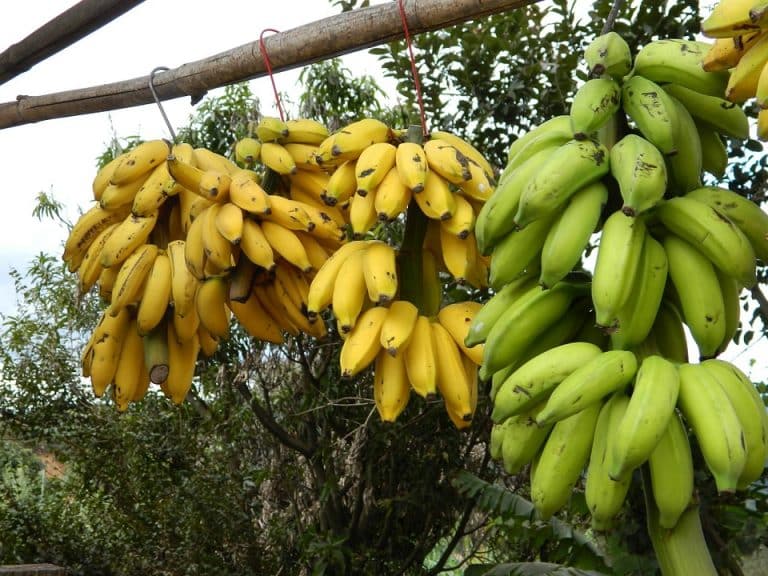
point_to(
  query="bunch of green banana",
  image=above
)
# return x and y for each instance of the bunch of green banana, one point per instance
(588, 363)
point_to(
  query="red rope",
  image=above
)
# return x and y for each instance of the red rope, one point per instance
(269, 69)
(414, 72)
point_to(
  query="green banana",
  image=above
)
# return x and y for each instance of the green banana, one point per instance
(496, 218)
(604, 494)
(711, 232)
(649, 409)
(685, 167)
(725, 117)
(556, 123)
(512, 255)
(639, 169)
(668, 332)
(701, 300)
(486, 317)
(560, 333)
(671, 470)
(594, 103)
(533, 381)
(546, 140)
(618, 258)
(608, 54)
(522, 440)
(604, 374)
(731, 291)
(752, 416)
(561, 461)
(708, 410)
(680, 61)
(652, 111)
(743, 212)
(714, 154)
(569, 234)
(634, 320)
(569, 168)
(523, 322)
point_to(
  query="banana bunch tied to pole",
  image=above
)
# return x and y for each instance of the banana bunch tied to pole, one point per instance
(184, 241)
(588, 358)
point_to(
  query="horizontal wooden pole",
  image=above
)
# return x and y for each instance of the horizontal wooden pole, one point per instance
(327, 38)
(58, 33)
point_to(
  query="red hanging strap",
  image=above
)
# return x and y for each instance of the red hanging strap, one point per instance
(269, 69)
(414, 72)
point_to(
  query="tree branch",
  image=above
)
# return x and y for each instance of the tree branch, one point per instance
(457, 535)
(762, 302)
(271, 424)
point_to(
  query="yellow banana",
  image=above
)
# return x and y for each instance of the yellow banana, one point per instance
(456, 319)
(271, 128)
(372, 165)
(131, 373)
(448, 161)
(87, 228)
(155, 190)
(362, 345)
(211, 303)
(392, 197)
(218, 249)
(182, 360)
(436, 200)
(362, 214)
(229, 222)
(103, 175)
(90, 268)
(321, 289)
(115, 196)
(349, 141)
(288, 213)
(467, 149)
(421, 360)
(129, 283)
(305, 131)
(398, 326)
(255, 246)
(156, 295)
(341, 184)
(131, 233)
(349, 292)
(194, 247)
(285, 243)
(256, 320)
(452, 380)
(277, 158)
(247, 193)
(380, 270)
(411, 166)
(107, 338)
(462, 221)
(391, 390)
(315, 252)
(140, 160)
(247, 151)
(183, 283)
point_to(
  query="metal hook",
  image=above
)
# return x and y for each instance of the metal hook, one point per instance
(157, 100)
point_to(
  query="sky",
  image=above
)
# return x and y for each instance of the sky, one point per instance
(58, 156)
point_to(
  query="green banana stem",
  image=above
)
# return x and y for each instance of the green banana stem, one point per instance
(409, 257)
(683, 550)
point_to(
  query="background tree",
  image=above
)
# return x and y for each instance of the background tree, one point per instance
(275, 462)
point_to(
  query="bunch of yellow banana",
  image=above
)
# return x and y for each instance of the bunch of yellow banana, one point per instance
(372, 174)
(741, 47)
(411, 351)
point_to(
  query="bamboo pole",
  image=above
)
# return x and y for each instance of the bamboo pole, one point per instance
(313, 42)
(58, 33)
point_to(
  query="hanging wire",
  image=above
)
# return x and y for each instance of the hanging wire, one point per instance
(268, 64)
(414, 72)
(157, 99)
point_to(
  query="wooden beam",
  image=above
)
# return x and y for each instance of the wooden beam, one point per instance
(62, 31)
(320, 40)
